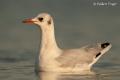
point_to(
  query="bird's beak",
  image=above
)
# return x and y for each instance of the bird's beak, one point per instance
(30, 21)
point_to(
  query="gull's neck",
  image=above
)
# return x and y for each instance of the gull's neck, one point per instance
(48, 42)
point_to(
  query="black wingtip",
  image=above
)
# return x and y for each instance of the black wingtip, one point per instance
(104, 45)
(98, 54)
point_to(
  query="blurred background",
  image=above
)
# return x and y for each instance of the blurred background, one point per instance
(77, 23)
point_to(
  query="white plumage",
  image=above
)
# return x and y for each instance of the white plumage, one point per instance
(52, 58)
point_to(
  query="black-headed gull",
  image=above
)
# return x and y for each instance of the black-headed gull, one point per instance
(52, 58)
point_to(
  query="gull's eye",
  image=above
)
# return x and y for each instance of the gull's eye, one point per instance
(40, 19)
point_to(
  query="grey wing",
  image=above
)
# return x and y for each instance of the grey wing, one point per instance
(85, 55)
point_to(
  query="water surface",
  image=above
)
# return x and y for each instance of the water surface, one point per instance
(77, 23)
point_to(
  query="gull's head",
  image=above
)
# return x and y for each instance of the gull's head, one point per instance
(42, 19)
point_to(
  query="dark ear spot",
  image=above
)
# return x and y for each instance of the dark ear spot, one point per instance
(49, 22)
(98, 54)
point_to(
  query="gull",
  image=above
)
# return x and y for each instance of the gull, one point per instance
(54, 59)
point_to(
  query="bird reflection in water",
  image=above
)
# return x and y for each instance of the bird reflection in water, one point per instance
(87, 75)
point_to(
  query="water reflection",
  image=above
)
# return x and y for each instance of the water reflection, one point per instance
(67, 76)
